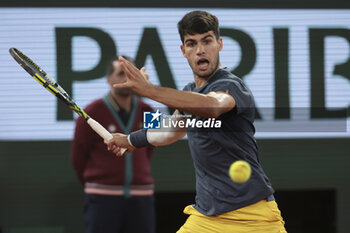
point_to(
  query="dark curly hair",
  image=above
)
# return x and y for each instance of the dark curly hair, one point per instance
(198, 22)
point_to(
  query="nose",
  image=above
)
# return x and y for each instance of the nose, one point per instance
(123, 78)
(200, 49)
(120, 78)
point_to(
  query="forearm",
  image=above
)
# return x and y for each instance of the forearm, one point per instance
(157, 138)
(161, 137)
(204, 105)
(146, 137)
(190, 102)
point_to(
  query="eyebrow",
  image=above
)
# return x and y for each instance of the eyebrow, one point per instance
(203, 38)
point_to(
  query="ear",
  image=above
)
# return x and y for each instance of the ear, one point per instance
(183, 50)
(220, 44)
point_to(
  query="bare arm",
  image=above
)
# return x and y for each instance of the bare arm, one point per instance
(155, 137)
(209, 105)
(171, 135)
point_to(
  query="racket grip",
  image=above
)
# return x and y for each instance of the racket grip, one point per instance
(100, 130)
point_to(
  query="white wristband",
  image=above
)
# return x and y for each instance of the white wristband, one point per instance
(130, 141)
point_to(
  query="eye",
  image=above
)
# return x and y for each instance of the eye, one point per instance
(207, 41)
(190, 44)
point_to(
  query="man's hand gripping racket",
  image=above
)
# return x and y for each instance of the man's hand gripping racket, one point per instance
(48, 83)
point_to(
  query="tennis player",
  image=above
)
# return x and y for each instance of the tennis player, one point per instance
(221, 205)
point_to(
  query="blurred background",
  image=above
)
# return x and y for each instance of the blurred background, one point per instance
(293, 55)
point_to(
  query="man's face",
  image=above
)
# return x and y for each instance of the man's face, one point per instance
(202, 53)
(118, 76)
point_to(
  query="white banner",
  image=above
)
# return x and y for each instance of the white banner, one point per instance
(28, 112)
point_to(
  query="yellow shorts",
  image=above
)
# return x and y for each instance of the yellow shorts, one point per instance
(263, 216)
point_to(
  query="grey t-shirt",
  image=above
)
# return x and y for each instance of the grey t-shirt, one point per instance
(214, 150)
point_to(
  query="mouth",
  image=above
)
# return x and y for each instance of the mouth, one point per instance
(203, 64)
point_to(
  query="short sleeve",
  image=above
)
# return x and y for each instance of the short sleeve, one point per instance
(238, 90)
(188, 87)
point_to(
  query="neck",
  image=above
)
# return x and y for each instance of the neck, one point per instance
(123, 101)
(201, 81)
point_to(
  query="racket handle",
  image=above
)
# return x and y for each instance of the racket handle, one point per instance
(100, 130)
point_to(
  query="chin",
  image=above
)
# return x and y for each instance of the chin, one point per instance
(123, 93)
(205, 74)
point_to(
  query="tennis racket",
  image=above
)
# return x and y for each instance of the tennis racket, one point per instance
(52, 86)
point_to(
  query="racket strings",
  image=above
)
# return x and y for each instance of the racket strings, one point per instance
(30, 62)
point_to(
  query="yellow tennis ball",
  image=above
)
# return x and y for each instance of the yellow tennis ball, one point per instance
(240, 171)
